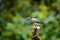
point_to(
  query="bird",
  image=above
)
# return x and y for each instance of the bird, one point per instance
(35, 20)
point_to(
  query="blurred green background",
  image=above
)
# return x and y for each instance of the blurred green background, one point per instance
(13, 23)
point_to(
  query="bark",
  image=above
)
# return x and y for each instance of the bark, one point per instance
(34, 35)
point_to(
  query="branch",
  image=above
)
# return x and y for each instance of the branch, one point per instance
(34, 35)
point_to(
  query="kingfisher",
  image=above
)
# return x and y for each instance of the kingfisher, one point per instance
(36, 22)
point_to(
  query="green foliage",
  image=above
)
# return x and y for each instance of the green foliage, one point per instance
(15, 26)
